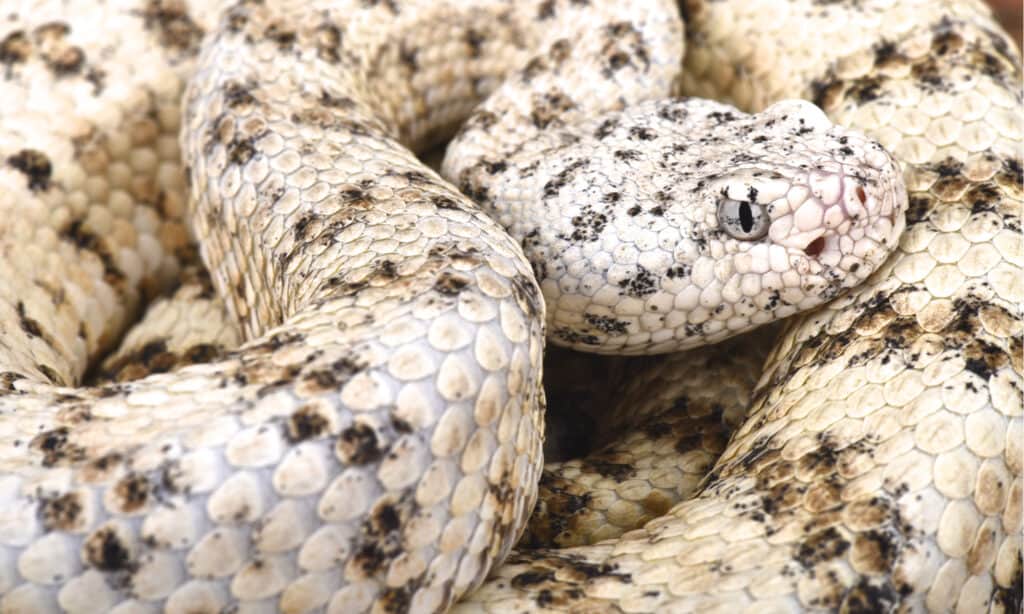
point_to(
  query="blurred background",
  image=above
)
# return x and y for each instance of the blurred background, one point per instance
(1010, 14)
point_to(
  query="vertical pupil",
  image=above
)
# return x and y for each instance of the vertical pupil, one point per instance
(746, 217)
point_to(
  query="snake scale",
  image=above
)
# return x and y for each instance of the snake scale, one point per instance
(373, 445)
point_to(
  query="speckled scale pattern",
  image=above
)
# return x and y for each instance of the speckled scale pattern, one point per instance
(659, 422)
(880, 466)
(384, 468)
(870, 474)
(190, 325)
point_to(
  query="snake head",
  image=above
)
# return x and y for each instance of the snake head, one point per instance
(802, 226)
(678, 223)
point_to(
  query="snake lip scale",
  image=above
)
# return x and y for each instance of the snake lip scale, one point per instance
(256, 356)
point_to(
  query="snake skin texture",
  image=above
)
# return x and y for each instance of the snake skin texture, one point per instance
(879, 468)
(373, 445)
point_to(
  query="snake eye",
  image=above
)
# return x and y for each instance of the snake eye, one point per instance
(742, 219)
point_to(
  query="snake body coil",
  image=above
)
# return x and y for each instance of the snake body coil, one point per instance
(375, 444)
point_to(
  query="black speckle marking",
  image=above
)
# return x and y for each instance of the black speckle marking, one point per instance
(678, 271)
(556, 183)
(606, 324)
(574, 337)
(642, 133)
(606, 127)
(642, 283)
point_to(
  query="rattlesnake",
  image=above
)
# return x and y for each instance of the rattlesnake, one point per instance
(878, 468)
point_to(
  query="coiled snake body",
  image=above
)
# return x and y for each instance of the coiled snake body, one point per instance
(374, 445)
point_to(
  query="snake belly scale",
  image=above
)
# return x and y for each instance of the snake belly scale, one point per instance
(376, 442)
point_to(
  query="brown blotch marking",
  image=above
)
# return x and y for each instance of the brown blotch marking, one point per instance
(359, 444)
(61, 513)
(616, 471)
(867, 514)
(329, 378)
(888, 56)
(327, 37)
(984, 359)
(533, 68)
(1011, 598)
(1011, 176)
(35, 166)
(571, 571)
(30, 326)
(132, 492)
(305, 423)
(62, 58)
(279, 34)
(546, 10)
(871, 595)
(105, 551)
(531, 578)
(451, 284)
(87, 241)
(241, 151)
(336, 102)
(820, 547)
(396, 599)
(73, 414)
(56, 447)
(239, 95)
(380, 534)
(560, 50)
(527, 295)
(174, 28)
(474, 41)
(200, 353)
(823, 495)
(549, 107)
(875, 551)
(7, 380)
(15, 48)
(384, 518)
(560, 506)
(154, 357)
(390, 5)
(99, 470)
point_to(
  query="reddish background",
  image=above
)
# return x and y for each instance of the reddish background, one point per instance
(1011, 14)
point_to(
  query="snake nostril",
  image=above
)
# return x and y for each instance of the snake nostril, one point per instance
(815, 247)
